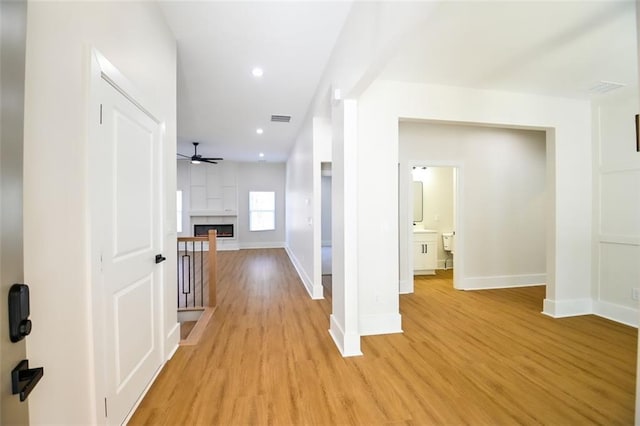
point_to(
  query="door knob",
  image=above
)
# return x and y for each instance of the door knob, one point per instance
(160, 258)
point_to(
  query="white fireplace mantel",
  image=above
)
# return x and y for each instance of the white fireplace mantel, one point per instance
(210, 213)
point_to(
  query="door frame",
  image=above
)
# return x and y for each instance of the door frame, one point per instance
(101, 69)
(458, 211)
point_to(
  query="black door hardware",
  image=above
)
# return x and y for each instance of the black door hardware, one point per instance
(24, 379)
(19, 322)
(160, 258)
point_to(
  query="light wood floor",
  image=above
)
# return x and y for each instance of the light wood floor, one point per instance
(480, 358)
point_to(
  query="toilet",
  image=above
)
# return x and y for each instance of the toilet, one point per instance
(448, 245)
(447, 241)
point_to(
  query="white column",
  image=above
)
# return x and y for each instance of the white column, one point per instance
(344, 210)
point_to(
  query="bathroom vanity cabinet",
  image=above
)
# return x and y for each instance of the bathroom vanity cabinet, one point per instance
(424, 252)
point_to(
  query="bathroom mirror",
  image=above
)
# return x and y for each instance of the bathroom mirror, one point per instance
(417, 201)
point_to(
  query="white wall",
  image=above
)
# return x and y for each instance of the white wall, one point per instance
(569, 186)
(135, 38)
(301, 241)
(503, 194)
(261, 177)
(617, 207)
(183, 183)
(214, 190)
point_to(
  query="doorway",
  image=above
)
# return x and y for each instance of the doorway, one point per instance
(433, 218)
(325, 215)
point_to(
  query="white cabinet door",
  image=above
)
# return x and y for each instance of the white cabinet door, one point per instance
(420, 255)
(424, 253)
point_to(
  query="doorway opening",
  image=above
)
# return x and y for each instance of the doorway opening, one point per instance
(326, 248)
(433, 219)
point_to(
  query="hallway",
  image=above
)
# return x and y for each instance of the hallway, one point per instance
(484, 357)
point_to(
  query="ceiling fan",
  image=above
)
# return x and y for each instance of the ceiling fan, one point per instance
(197, 159)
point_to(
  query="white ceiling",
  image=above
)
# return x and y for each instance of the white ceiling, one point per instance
(220, 103)
(558, 48)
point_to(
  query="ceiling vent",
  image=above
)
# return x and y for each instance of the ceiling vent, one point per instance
(605, 86)
(281, 118)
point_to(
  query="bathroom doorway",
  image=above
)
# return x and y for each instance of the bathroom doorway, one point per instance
(434, 218)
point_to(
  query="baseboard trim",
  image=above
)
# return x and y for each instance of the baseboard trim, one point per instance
(315, 291)
(406, 286)
(372, 325)
(348, 345)
(567, 308)
(617, 313)
(502, 281)
(172, 341)
(261, 245)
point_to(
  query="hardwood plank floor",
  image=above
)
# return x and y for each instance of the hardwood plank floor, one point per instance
(483, 357)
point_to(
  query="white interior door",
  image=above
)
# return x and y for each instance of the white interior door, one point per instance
(129, 216)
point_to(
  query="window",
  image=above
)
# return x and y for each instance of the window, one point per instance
(179, 207)
(262, 211)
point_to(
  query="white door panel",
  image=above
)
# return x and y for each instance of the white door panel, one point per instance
(133, 345)
(133, 185)
(129, 228)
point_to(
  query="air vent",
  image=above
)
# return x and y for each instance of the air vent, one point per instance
(281, 118)
(605, 86)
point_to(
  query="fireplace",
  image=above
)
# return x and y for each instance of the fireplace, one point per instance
(224, 230)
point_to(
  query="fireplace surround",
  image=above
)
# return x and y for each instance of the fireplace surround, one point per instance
(224, 230)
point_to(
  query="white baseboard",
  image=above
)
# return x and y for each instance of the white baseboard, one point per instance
(172, 341)
(371, 325)
(617, 313)
(567, 308)
(315, 291)
(348, 345)
(406, 286)
(502, 281)
(576, 307)
(261, 245)
(194, 315)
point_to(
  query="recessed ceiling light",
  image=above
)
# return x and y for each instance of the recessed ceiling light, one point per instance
(261, 154)
(259, 131)
(257, 72)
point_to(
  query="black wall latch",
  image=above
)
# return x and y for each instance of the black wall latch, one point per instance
(160, 258)
(24, 379)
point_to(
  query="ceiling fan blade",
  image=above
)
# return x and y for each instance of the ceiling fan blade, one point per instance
(212, 158)
(182, 155)
(206, 160)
